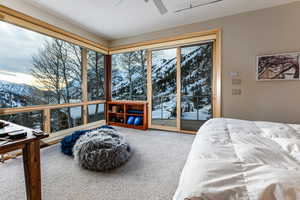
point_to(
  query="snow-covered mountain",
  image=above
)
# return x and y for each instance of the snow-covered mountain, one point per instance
(16, 95)
(129, 76)
(196, 66)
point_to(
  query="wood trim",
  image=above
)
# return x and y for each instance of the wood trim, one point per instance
(56, 137)
(189, 38)
(96, 102)
(26, 21)
(46, 121)
(149, 86)
(188, 132)
(178, 87)
(121, 102)
(84, 84)
(217, 77)
(166, 128)
(84, 66)
(7, 111)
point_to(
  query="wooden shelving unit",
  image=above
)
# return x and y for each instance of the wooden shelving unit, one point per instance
(118, 113)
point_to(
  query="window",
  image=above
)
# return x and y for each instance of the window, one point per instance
(29, 119)
(36, 69)
(129, 76)
(95, 76)
(164, 109)
(65, 118)
(96, 112)
(196, 85)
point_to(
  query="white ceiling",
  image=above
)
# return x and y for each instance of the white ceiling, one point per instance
(113, 20)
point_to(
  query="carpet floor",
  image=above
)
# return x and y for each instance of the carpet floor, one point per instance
(152, 173)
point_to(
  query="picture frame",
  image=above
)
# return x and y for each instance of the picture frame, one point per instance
(280, 66)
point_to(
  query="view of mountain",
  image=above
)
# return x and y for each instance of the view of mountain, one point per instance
(61, 82)
(129, 81)
(17, 95)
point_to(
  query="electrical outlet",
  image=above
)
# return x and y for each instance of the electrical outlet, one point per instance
(236, 91)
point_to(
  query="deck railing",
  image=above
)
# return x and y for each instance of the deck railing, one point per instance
(164, 104)
(46, 112)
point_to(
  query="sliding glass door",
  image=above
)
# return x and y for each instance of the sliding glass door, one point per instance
(181, 87)
(196, 85)
(163, 79)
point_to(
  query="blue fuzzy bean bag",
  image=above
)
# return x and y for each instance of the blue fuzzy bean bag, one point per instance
(69, 141)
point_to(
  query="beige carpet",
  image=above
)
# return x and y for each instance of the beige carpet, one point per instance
(151, 174)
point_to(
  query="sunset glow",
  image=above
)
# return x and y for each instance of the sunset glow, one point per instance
(18, 78)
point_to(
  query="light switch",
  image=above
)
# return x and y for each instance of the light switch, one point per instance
(234, 74)
(236, 91)
(236, 81)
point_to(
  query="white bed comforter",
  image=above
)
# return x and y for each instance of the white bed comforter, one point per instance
(242, 160)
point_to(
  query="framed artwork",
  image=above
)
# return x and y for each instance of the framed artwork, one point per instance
(278, 67)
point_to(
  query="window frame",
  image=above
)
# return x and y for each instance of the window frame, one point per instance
(10, 16)
(146, 63)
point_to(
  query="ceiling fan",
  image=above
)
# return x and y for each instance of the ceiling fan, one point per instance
(158, 3)
(163, 10)
(160, 6)
(191, 5)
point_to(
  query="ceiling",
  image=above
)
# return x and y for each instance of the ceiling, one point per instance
(113, 20)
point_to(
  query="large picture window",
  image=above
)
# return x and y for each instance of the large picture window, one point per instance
(36, 69)
(129, 76)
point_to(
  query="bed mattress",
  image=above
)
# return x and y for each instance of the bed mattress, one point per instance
(242, 160)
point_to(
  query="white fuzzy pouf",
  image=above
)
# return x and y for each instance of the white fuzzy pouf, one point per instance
(101, 150)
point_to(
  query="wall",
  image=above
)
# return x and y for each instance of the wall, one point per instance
(22, 6)
(244, 37)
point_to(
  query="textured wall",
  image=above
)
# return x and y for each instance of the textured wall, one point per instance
(244, 37)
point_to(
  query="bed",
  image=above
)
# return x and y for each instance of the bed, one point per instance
(242, 160)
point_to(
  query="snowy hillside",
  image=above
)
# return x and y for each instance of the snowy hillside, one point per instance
(196, 66)
(16, 95)
(129, 76)
(129, 81)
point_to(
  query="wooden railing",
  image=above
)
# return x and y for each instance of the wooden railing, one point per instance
(46, 109)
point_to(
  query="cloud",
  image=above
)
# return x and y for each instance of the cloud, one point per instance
(17, 46)
(8, 73)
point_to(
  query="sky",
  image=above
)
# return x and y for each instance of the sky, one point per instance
(17, 46)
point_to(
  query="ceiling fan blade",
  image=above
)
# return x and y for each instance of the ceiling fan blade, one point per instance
(160, 6)
(119, 3)
(199, 5)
